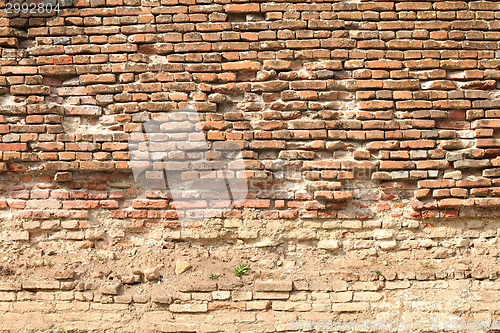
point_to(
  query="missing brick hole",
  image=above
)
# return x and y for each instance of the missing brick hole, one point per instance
(255, 17)
(20, 37)
(25, 43)
(82, 125)
(250, 17)
(12, 103)
(19, 25)
(496, 134)
(232, 17)
(228, 106)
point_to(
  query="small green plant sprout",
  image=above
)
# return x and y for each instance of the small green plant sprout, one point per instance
(378, 272)
(63, 330)
(241, 269)
(42, 263)
(213, 276)
(427, 264)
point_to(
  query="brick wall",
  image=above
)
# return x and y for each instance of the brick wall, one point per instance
(368, 129)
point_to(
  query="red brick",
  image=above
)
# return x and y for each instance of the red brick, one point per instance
(382, 145)
(256, 203)
(343, 195)
(451, 203)
(436, 183)
(412, 105)
(393, 165)
(436, 164)
(97, 166)
(473, 183)
(153, 204)
(80, 204)
(420, 144)
(487, 202)
(480, 143)
(271, 144)
(242, 66)
(404, 6)
(242, 8)
(13, 146)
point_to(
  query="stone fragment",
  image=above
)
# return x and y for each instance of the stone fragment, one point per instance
(181, 266)
(152, 273)
(162, 299)
(110, 288)
(130, 279)
(65, 274)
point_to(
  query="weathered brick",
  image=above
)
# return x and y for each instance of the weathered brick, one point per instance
(188, 308)
(10, 286)
(242, 8)
(350, 307)
(273, 285)
(41, 285)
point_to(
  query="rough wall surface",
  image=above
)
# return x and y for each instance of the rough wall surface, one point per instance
(370, 133)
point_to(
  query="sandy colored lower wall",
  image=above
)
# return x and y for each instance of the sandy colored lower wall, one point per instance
(193, 287)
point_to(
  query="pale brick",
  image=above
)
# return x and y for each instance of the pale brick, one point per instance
(369, 286)
(341, 297)
(110, 288)
(258, 305)
(350, 307)
(7, 296)
(241, 295)
(201, 296)
(273, 285)
(41, 285)
(221, 295)
(141, 298)
(338, 285)
(291, 306)
(367, 296)
(123, 299)
(190, 308)
(10, 286)
(397, 284)
(271, 295)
